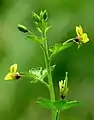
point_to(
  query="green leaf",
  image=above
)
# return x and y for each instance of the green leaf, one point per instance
(71, 104)
(36, 39)
(46, 103)
(57, 105)
(52, 67)
(60, 46)
(44, 72)
(39, 73)
(63, 105)
(35, 73)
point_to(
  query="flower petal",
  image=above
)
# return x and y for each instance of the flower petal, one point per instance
(8, 77)
(61, 85)
(13, 68)
(85, 38)
(79, 30)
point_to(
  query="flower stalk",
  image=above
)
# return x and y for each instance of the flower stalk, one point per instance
(47, 63)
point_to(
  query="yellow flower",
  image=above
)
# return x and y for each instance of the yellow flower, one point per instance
(81, 36)
(13, 74)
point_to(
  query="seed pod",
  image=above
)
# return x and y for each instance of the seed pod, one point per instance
(22, 28)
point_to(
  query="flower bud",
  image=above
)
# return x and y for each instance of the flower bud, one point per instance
(41, 15)
(45, 15)
(36, 17)
(63, 87)
(22, 28)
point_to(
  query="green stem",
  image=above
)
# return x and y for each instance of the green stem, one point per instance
(57, 115)
(44, 83)
(69, 40)
(47, 62)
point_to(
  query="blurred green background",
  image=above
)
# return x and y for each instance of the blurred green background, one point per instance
(18, 98)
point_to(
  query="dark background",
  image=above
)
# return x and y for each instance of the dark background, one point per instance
(18, 98)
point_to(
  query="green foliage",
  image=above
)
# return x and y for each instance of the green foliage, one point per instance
(46, 103)
(71, 104)
(57, 105)
(35, 38)
(38, 74)
(60, 46)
